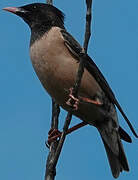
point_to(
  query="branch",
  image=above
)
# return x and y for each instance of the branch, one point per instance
(51, 172)
(56, 147)
(50, 2)
(88, 24)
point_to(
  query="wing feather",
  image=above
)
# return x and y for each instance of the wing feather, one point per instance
(75, 48)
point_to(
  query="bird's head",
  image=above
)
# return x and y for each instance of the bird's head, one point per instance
(39, 14)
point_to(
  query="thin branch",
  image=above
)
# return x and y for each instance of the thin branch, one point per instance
(56, 147)
(88, 24)
(51, 172)
(50, 2)
(55, 158)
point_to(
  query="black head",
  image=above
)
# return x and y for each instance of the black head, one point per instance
(39, 16)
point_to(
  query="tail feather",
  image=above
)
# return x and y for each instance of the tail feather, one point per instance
(115, 166)
(122, 157)
(124, 135)
(117, 163)
(114, 149)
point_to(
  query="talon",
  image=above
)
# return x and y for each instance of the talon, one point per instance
(53, 135)
(53, 132)
(69, 102)
(52, 139)
(76, 105)
(76, 100)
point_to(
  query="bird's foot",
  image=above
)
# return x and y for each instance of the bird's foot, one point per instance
(53, 135)
(72, 101)
(53, 132)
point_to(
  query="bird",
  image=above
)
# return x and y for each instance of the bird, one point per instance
(55, 56)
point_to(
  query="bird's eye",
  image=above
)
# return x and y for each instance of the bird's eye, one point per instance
(34, 7)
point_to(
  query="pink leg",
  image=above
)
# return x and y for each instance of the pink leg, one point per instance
(77, 101)
(90, 101)
(54, 134)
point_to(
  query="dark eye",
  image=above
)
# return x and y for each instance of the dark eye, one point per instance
(34, 7)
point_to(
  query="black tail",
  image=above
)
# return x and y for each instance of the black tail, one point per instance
(117, 163)
(114, 148)
(124, 135)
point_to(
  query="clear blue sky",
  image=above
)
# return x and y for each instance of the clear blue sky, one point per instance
(25, 107)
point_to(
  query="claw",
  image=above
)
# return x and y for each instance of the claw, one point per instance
(76, 100)
(53, 135)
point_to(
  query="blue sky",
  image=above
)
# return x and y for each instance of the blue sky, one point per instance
(25, 107)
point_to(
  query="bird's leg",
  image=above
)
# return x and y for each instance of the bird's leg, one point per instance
(71, 97)
(77, 100)
(96, 102)
(54, 133)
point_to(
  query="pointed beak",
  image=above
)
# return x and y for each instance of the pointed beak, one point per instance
(15, 10)
(12, 9)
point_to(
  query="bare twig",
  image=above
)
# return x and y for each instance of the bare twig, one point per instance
(50, 2)
(88, 24)
(56, 147)
(51, 172)
(55, 158)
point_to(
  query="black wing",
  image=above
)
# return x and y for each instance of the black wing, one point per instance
(89, 64)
